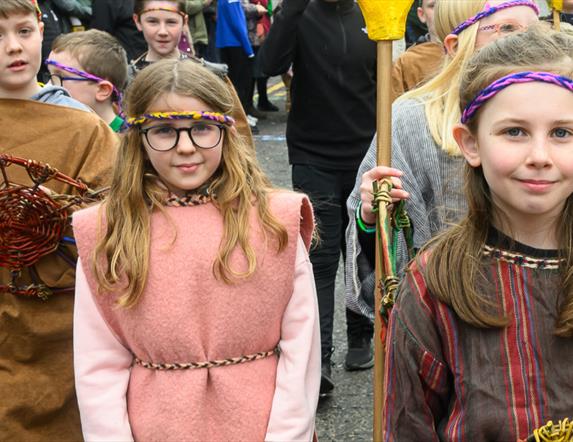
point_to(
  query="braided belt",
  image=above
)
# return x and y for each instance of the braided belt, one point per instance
(207, 364)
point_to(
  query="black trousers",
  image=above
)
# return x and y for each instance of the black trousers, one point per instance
(328, 191)
(240, 73)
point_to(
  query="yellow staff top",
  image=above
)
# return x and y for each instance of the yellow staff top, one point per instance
(556, 4)
(386, 19)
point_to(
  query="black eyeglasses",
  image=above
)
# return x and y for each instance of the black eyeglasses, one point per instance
(504, 28)
(58, 80)
(202, 134)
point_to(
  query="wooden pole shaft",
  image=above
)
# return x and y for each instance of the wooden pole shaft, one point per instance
(556, 20)
(383, 157)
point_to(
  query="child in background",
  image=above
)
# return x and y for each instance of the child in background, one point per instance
(162, 25)
(236, 51)
(480, 340)
(38, 401)
(258, 27)
(92, 67)
(193, 274)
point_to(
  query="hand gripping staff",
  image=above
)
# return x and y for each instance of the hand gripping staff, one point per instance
(557, 7)
(385, 21)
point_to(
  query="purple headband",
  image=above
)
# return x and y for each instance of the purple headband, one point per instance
(522, 77)
(492, 10)
(88, 76)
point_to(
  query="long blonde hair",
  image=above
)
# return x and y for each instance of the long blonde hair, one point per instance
(441, 94)
(453, 268)
(121, 257)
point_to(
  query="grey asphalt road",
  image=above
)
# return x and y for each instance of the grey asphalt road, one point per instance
(347, 414)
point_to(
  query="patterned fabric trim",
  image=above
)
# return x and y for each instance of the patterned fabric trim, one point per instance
(522, 260)
(207, 364)
(194, 199)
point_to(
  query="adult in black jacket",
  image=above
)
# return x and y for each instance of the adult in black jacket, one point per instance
(116, 18)
(330, 126)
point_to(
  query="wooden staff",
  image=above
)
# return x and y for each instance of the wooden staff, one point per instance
(556, 6)
(385, 20)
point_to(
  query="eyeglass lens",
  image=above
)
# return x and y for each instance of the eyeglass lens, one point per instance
(203, 135)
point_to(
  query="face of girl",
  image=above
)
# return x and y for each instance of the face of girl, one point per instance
(524, 144)
(186, 166)
(503, 23)
(161, 28)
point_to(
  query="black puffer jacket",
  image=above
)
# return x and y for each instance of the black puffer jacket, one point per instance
(333, 115)
(116, 17)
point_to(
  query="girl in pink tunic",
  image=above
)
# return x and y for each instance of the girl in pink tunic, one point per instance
(195, 313)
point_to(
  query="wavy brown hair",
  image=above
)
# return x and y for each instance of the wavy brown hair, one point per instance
(454, 264)
(121, 257)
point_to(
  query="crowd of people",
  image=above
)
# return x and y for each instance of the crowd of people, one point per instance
(195, 301)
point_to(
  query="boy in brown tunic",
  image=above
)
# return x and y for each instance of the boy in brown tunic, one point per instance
(36, 374)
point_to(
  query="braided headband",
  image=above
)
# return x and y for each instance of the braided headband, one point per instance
(177, 11)
(522, 77)
(190, 115)
(492, 10)
(87, 76)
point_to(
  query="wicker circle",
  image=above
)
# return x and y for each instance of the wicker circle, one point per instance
(31, 226)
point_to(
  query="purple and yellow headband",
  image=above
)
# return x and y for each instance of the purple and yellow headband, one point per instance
(190, 115)
(490, 10)
(522, 77)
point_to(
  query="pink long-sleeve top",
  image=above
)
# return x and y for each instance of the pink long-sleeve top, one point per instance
(104, 368)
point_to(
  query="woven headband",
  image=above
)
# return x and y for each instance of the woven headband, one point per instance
(177, 11)
(522, 77)
(489, 10)
(190, 115)
(87, 76)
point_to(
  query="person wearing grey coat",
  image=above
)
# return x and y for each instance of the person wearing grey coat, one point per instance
(434, 181)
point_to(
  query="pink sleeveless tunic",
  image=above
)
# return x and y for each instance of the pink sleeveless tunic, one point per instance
(186, 315)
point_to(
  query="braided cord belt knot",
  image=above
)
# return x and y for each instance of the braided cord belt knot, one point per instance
(395, 222)
(207, 364)
(561, 432)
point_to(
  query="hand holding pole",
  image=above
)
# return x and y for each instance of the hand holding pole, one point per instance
(385, 22)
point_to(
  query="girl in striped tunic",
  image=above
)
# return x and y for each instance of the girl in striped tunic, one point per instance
(480, 340)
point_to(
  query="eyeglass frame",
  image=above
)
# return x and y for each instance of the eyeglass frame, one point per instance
(495, 27)
(178, 130)
(62, 79)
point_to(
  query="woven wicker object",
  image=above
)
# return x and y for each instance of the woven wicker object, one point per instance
(385, 19)
(33, 220)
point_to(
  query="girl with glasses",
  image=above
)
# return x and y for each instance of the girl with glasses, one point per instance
(196, 315)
